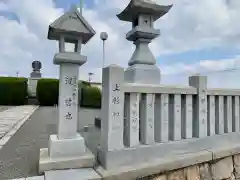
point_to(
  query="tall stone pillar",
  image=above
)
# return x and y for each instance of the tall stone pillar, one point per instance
(142, 65)
(67, 148)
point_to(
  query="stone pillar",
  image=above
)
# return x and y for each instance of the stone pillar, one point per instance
(68, 101)
(199, 105)
(112, 108)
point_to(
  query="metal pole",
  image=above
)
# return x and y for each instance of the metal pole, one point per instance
(81, 6)
(103, 61)
(104, 37)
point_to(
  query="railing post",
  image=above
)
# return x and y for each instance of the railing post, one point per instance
(112, 108)
(200, 105)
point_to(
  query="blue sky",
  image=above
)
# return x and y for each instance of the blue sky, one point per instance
(199, 35)
(66, 4)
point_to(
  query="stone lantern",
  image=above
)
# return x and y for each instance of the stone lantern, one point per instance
(32, 81)
(67, 148)
(142, 65)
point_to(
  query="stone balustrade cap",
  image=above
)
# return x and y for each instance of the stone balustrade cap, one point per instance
(136, 7)
(72, 26)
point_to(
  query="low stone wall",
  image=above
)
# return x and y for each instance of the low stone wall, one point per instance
(223, 169)
(211, 158)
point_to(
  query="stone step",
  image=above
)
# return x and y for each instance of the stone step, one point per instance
(31, 178)
(72, 174)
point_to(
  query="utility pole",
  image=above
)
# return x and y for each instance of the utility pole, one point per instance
(81, 6)
(90, 76)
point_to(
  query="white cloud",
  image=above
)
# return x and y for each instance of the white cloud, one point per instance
(3, 6)
(189, 25)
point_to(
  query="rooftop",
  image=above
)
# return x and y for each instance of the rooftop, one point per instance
(135, 7)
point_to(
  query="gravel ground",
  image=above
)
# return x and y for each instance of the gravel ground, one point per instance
(19, 157)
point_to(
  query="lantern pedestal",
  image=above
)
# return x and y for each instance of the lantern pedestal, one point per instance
(65, 154)
(143, 74)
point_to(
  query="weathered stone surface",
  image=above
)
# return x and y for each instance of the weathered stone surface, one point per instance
(160, 177)
(204, 171)
(72, 174)
(176, 175)
(154, 177)
(192, 173)
(232, 177)
(222, 169)
(236, 164)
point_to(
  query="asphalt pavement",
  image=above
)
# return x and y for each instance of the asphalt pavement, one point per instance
(19, 157)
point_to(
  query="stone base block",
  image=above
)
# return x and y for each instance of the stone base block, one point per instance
(143, 74)
(144, 154)
(86, 160)
(211, 147)
(60, 148)
(73, 174)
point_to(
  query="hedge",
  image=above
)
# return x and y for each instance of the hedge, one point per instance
(13, 91)
(91, 97)
(47, 93)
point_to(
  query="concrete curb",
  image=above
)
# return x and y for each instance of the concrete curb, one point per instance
(31, 178)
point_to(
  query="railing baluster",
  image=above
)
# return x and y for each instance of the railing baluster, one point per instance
(236, 114)
(161, 118)
(187, 116)
(175, 118)
(219, 115)
(131, 133)
(227, 114)
(211, 115)
(147, 119)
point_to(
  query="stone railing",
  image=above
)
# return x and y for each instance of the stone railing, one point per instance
(175, 113)
(136, 115)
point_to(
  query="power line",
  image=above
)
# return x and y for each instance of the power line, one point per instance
(204, 72)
